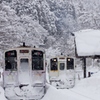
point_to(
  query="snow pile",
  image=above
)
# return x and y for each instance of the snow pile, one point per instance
(54, 94)
(93, 69)
(88, 42)
(89, 87)
(2, 97)
(85, 89)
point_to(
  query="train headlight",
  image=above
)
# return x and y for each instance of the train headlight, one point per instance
(68, 59)
(54, 60)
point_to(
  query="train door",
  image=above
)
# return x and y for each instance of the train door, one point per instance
(62, 64)
(24, 71)
(53, 67)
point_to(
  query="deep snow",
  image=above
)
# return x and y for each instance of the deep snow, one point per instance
(85, 89)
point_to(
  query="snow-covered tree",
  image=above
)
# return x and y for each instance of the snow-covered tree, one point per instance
(32, 20)
(8, 27)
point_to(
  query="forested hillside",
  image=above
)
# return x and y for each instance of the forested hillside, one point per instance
(46, 23)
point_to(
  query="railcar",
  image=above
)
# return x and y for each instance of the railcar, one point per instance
(61, 72)
(24, 75)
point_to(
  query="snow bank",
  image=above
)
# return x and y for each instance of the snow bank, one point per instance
(2, 97)
(85, 89)
(54, 94)
(89, 87)
(62, 94)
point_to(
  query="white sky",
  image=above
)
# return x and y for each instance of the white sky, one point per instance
(87, 42)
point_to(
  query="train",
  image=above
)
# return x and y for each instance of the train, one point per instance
(62, 72)
(24, 76)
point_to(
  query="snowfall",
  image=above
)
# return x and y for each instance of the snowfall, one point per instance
(85, 88)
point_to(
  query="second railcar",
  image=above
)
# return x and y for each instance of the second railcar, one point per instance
(61, 72)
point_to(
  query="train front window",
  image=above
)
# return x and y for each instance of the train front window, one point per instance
(24, 64)
(70, 63)
(11, 60)
(54, 64)
(62, 66)
(37, 60)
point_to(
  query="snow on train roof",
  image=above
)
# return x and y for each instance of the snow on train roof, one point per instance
(87, 42)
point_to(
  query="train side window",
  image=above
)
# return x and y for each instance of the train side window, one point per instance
(62, 66)
(70, 63)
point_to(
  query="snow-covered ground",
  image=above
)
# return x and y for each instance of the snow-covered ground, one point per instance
(85, 89)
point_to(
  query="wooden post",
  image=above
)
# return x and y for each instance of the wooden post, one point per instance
(84, 66)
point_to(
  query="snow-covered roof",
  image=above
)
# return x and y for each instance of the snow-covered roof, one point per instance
(87, 42)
